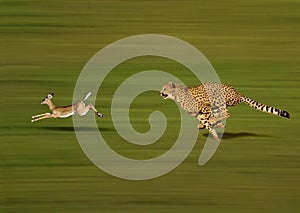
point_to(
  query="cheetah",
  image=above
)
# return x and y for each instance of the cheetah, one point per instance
(208, 102)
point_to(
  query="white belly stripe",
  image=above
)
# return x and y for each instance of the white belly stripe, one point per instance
(67, 115)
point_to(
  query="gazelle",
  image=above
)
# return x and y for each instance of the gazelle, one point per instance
(65, 111)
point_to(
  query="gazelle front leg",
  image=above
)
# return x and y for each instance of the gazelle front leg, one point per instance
(42, 116)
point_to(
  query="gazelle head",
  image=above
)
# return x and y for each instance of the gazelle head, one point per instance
(47, 98)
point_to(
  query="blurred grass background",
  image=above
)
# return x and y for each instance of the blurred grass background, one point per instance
(253, 45)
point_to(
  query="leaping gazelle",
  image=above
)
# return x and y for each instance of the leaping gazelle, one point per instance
(65, 111)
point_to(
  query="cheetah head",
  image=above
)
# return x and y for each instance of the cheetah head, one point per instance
(168, 91)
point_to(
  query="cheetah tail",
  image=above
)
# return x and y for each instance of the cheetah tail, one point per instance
(264, 108)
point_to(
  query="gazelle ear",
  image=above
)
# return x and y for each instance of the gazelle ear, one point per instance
(50, 95)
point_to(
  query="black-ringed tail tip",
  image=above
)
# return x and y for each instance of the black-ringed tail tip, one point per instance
(285, 114)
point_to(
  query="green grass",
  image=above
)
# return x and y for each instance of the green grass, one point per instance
(253, 45)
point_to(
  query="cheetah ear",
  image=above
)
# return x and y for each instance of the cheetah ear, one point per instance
(172, 84)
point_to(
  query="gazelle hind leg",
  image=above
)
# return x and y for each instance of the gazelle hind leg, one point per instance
(95, 110)
(84, 110)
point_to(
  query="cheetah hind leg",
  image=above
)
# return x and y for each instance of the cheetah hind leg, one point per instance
(211, 130)
(213, 133)
(219, 117)
(216, 122)
(205, 124)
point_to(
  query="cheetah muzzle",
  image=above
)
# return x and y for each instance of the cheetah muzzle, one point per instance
(165, 96)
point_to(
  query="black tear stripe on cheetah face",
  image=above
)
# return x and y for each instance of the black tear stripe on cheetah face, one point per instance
(210, 108)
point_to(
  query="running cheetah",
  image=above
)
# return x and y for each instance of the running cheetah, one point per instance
(208, 102)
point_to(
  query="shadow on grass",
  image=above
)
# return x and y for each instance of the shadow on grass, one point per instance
(226, 135)
(71, 128)
(230, 135)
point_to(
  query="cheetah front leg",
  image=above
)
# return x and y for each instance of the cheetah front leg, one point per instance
(204, 123)
(204, 113)
(204, 118)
